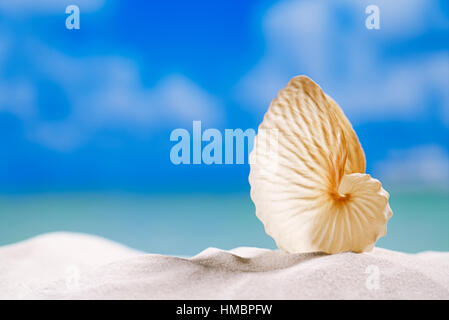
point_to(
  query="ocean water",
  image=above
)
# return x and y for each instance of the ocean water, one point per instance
(185, 224)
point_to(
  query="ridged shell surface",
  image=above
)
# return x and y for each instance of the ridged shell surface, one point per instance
(307, 176)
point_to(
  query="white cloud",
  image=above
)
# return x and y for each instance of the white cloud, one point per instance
(300, 28)
(402, 93)
(174, 100)
(104, 92)
(422, 166)
(184, 100)
(347, 60)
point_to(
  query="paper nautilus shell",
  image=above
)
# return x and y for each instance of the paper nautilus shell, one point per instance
(308, 180)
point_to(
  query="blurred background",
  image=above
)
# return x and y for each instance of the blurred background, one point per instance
(86, 115)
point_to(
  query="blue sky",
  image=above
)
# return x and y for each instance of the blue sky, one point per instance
(92, 109)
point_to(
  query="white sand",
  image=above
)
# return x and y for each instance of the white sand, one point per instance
(76, 266)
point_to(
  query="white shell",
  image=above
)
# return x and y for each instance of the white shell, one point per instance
(308, 179)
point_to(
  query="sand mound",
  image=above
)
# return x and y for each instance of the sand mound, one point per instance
(76, 266)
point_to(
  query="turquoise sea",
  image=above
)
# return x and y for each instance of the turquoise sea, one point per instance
(185, 224)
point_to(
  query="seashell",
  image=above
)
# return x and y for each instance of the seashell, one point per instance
(307, 176)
